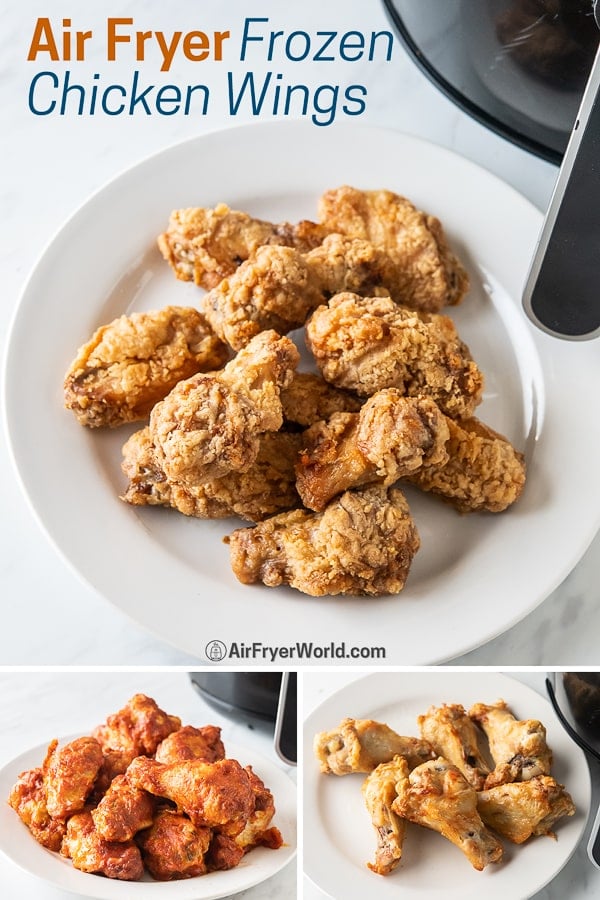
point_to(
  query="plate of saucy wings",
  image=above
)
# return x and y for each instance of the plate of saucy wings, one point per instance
(434, 785)
(304, 389)
(144, 805)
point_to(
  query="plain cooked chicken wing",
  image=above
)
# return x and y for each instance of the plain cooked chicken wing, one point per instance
(369, 343)
(134, 361)
(69, 774)
(191, 743)
(362, 543)
(484, 472)
(379, 792)
(415, 241)
(90, 853)
(437, 795)
(123, 811)
(309, 398)
(28, 799)
(454, 736)
(135, 730)
(518, 747)
(210, 425)
(360, 745)
(389, 438)
(521, 809)
(173, 848)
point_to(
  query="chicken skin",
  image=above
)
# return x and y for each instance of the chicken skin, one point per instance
(207, 245)
(365, 344)
(135, 730)
(454, 736)
(379, 792)
(518, 748)
(521, 809)
(90, 853)
(309, 398)
(360, 745)
(173, 848)
(266, 488)
(69, 775)
(217, 795)
(123, 811)
(389, 438)
(210, 425)
(28, 799)
(133, 362)
(437, 796)
(191, 743)
(414, 240)
(483, 472)
(362, 543)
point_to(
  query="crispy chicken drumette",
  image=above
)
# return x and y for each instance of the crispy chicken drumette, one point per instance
(369, 343)
(123, 811)
(360, 745)
(173, 847)
(454, 736)
(69, 774)
(521, 809)
(309, 398)
(191, 743)
(362, 543)
(518, 748)
(379, 792)
(28, 799)
(90, 853)
(133, 362)
(210, 425)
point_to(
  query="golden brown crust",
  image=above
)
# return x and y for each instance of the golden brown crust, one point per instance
(519, 810)
(453, 735)
(309, 398)
(360, 745)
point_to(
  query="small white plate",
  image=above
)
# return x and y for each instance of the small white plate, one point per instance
(475, 576)
(17, 843)
(338, 836)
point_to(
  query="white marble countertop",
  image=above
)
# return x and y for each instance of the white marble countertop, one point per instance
(38, 706)
(50, 167)
(578, 880)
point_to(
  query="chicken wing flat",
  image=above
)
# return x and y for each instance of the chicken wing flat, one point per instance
(173, 848)
(309, 398)
(365, 344)
(191, 743)
(217, 795)
(206, 245)
(362, 543)
(258, 830)
(135, 730)
(389, 438)
(69, 774)
(210, 425)
(455, 737)
(90, 853)
(123, 811)
(28, 799)
(133, 362)
(415, 241)
(379, 792)
(518, 747)
(484, 472)
(360, 745)
(266, 488)
(519, 810)
(437, 795)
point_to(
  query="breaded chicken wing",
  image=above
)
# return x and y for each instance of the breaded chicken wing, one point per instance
(369, 343)
(210, 425)
(437, 795)
(123, 811)
(207, 245)
(28, 799)
(173, 848)
(454, 736)
(90, 853)
(309, 398)
(483, 472)
(362, 543)
(360, 745)
(69, 774)
(391, 437)
(133, 362)
(518, 747)
(519, 810)
(258, 830)
(415, 241)
(379, 792)
(136, 730)
(191, 743)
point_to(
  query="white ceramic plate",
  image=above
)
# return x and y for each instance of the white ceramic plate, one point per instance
(338, 837)
(261, 863)
(475, 575)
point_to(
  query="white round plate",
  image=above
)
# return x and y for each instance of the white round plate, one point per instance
(338, 836)
(17, 843)
(475, 575)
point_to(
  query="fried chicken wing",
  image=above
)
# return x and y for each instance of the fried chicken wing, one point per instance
(379, 792)
(484, 472)
(437, 795)
(28, 799)
(90, 853)
(218, 795)
(369, 343)
(174, 848)
(362, 543)
(223, 853)
(309, 398)
(210, 425)
(432, 276)
(69, 774)
(518, 747)
(257, 831)
(206, 245)
(521, 809)
(360, 745)
(266, 488)
(134, 361)
(123, 811)
(389, 438)
(454, 736)
(135, 730)
(191, 743)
